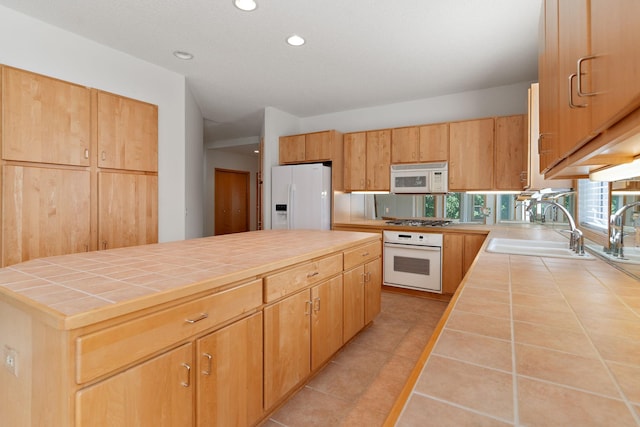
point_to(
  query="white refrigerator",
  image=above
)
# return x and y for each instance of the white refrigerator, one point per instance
(301, 197)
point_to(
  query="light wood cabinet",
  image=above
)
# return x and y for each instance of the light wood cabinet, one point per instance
(589, 84)
(45, 212)
(324, 146)
(428, 143)
(367, 161)
(301, 332)
(44, 120)
(127, 133)
(158, 392)
(229, 375)
(84, 163)
(458, 253)
(471, 152)
(127, 209)
(511, 152)
(362, 287)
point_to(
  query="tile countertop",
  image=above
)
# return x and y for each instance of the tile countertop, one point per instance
(74, 290)
(531, 341)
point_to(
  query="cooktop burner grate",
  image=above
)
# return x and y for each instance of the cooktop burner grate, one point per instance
(420, 222)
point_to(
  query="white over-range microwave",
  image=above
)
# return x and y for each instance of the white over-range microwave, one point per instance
(420, 178)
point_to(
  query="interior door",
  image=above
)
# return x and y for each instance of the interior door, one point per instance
(231, 201)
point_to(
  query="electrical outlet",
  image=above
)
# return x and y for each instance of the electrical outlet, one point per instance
(11, 360)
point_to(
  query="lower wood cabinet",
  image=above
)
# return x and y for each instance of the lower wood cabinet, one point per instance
(300, 333)
(458, 253)
(362, 294)
(158, 392)
(45, 212)
(229, 375)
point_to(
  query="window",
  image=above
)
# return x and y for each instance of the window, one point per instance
(464, 207)
(593, 204)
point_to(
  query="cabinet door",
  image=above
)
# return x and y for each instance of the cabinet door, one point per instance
(158, 392)
(127, 209)
(229, 368)
(355, 161)
(471, 150)
(45, 212)
(353, 302)
(287, 346)
(127, 133)
(549, 79)
(326, 326)
(44, 120)
(317, 146)
(574, 110)
(292, 148)
(372, 290)
(511, 152)
(615, 41)
(434, 143)
(404, 145)
(378, 160)
(452, 262)
(472, 244)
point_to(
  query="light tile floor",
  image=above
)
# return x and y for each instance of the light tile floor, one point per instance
(360, 385)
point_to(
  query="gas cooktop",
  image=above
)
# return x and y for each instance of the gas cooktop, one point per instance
(416, 222)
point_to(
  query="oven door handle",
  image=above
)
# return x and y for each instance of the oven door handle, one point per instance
(417, 247)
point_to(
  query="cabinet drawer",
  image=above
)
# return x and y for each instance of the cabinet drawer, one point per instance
(362, 254)
(296, 278)
(103, 351)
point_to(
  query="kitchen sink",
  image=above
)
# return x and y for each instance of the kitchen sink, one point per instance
(542, 248)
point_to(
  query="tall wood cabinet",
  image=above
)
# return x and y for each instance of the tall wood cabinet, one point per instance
(79, 168)
(471, 148)
(367, 160)
(511, 152)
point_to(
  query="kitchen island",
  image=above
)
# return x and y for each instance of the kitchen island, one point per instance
(197, 331)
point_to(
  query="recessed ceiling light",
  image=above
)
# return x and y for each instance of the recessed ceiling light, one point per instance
(183, 55)
(256, 151)
(246, 5)
(295, 40)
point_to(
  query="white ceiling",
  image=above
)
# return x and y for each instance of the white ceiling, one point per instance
(359, 53)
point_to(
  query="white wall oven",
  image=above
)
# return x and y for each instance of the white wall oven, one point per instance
(413, 260)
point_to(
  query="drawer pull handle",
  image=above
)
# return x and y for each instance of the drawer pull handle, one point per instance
(197, 319)
(86, 153)
(365, 254)
(188, 382)
(209, 361)
(315, 273)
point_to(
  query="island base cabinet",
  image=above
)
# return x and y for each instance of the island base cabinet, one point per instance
(301, 332)
(372, 290)
(287, 334)
(362, 296)
(229, 367)
(156, 393)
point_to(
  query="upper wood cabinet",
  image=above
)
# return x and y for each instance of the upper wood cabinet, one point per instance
(429, 143)
(367, 160)
(589, 84)
(511, 150)
(45, 212)
(322, 146)
(471, 152)
(44, 120)
(127, 133)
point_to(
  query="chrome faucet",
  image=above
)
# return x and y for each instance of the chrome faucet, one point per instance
(576, 238)
(616, 231)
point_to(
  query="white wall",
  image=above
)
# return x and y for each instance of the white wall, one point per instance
(32, 45)
(194, 168)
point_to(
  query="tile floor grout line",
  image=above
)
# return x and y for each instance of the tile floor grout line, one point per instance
(465, 408)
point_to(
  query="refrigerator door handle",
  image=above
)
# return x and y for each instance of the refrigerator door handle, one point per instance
(292, 199)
